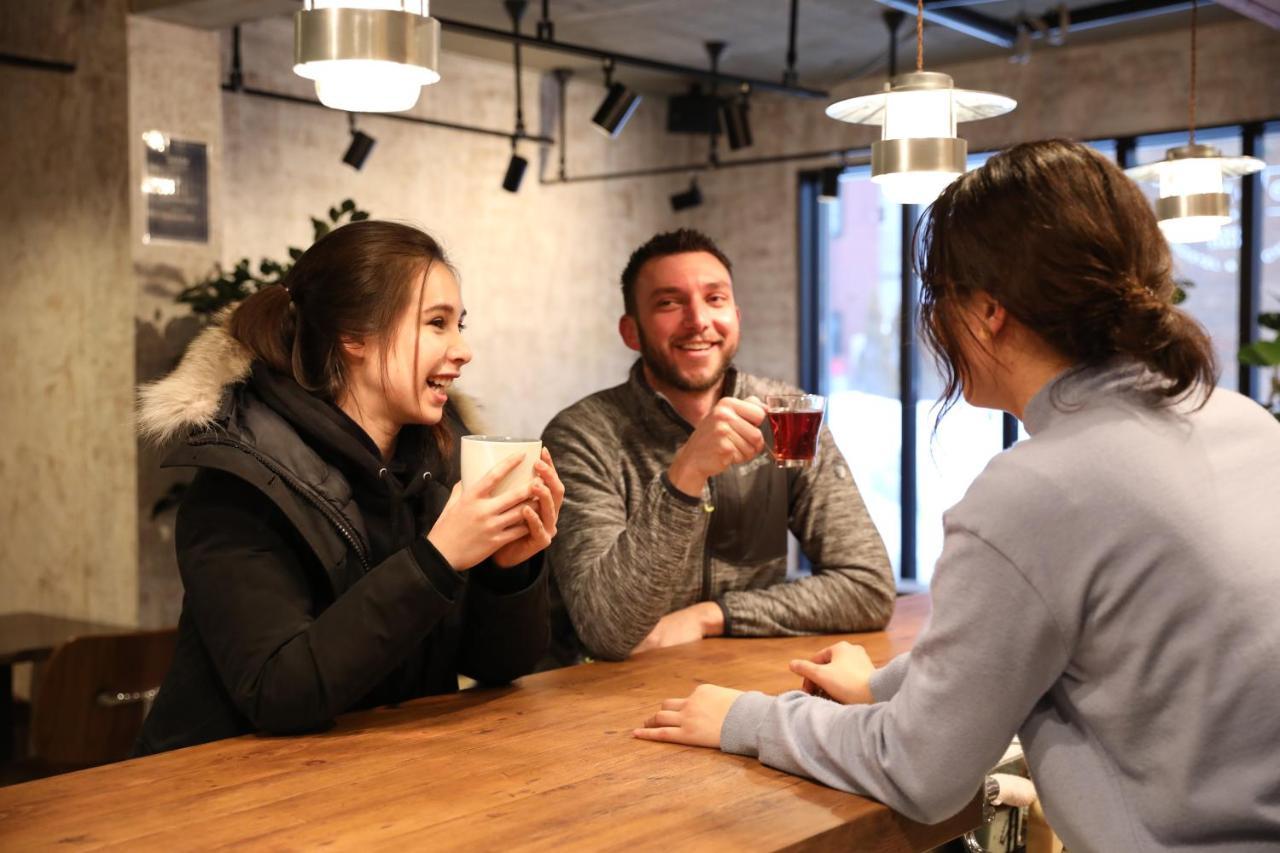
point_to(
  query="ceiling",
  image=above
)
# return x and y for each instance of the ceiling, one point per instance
(837, 40)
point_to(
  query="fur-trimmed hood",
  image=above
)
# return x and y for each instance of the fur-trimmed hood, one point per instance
(192, 396)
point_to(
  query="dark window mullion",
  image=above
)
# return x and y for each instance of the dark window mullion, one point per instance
(908, 389)
(1125, 148)
(810, 302)
(1250, 255)
(1010, 437)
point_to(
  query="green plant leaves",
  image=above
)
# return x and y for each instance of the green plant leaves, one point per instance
(223, 287)
(1261, 353)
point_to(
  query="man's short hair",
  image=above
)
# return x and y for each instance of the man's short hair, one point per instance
(660, 246)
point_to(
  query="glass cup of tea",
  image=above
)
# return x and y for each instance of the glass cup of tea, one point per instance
(796, 420)
(481, 453)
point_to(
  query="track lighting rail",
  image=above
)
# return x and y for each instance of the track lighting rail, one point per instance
(447, 125)
(756, 84)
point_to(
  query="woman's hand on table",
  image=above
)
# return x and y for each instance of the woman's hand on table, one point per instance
(842, 672)
(695, 720)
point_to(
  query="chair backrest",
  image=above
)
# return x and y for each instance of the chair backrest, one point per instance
(94, 693)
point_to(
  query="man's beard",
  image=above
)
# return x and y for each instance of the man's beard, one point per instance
(665, 369)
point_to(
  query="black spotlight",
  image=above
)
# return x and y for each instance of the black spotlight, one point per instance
(361, 145)
(515, 173)
(358, 150)
(829, 184)
(691, 197)
(616, 108)
(737, 124)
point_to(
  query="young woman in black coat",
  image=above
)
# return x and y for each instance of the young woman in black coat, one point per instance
(329, 556)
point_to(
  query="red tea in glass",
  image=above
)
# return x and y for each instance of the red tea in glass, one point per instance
(796, 420)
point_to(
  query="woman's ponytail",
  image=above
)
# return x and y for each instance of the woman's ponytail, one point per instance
(1167, 340)
(266, 323)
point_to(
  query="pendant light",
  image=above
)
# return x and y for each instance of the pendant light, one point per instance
(369, 56)
(918, 153)
(1192, 206)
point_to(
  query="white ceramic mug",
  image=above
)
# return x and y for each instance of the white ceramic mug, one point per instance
(480, 453)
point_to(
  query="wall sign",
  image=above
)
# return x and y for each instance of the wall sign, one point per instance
(175, 184)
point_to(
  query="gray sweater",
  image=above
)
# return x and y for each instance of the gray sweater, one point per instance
(1109, 590)
(631, 548)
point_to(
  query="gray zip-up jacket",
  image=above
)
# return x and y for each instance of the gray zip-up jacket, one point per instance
(631, 548)
(1108, 590)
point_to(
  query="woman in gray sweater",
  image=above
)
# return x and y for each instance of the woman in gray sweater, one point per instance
(1108, 590)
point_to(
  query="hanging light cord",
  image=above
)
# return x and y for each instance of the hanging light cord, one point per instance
(516, 9)
(1191, 104)
(920, 35)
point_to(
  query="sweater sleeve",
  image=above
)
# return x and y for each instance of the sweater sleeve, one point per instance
(852, 586)
(886, 680)
(287, 665)
(969, 687)
(615, 573)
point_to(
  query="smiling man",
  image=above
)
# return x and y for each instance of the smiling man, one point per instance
(675, 520)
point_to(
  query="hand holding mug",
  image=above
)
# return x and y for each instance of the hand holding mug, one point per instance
(540, 523)
(728, 435)
(476, 522)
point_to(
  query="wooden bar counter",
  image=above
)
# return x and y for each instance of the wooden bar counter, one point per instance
(547, 763)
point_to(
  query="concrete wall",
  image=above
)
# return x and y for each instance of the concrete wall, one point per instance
(68, 541)
(174, 75)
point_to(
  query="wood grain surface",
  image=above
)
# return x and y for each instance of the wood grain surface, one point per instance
(546, 763)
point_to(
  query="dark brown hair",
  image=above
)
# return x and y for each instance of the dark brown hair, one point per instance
(1057, 234)
(660, 246)
(352, 284)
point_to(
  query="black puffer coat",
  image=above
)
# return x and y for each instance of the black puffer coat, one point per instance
(310, 588)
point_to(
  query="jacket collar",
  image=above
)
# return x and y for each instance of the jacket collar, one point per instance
(657, 410)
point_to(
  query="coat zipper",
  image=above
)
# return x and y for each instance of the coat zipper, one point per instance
(303, 490)
(706, 543)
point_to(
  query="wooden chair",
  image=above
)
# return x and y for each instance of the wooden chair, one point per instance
(93, 696)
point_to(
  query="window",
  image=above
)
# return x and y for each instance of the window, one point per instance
(860, 304)
(947, 461)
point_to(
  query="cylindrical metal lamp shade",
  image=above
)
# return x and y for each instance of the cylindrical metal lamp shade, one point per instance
(515, 173)
(616, 109)
(1194, 218)
(1192, 206)
(366, 60)
(915, 171)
